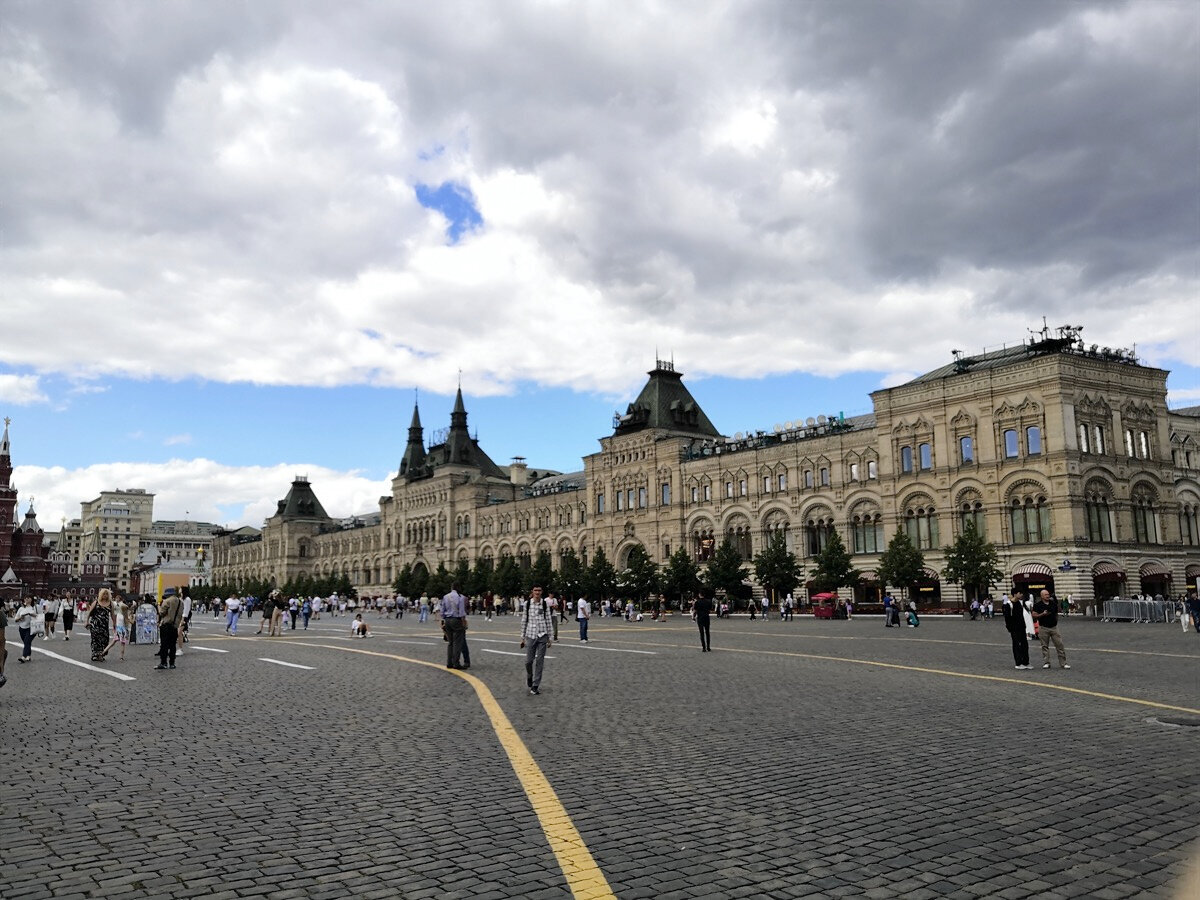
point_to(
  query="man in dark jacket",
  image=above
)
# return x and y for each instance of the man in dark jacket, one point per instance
(1014, 621)
(1045, 613)
(170, 615)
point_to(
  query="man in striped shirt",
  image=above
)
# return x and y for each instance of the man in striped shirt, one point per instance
(535, 637)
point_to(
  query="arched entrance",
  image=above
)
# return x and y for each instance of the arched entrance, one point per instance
(1155, 579)
(1192, 575)
(1033, 577)
(927, 589)
(1107, 581)
(868, 589)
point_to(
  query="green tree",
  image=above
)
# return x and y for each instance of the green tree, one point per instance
(833, 566)
(973, 562)
(481, 576)
(506, 580)
(541, 572)
(439, 582)
(462, 575)
(641, 577)
(777, 568)
(572, 576)
(726, 573)
(681, 578)
(602, 577)
(902, 563)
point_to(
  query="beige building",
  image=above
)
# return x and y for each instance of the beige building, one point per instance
(118, 531)
(1066, 457)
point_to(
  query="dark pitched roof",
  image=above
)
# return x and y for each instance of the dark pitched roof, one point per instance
(666, 404)
(1191, 411)
(301, 502)
(1010, 356)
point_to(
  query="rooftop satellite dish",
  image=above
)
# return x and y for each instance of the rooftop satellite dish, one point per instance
(738, 436)
(821, 420)
(788, 426)
(810, 421)
(777, 428)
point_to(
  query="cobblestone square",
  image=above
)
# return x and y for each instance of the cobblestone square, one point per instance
(799, 759)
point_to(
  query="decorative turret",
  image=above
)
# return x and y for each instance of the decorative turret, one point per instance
(413, 464)
(458, 442)
(301, 502)
(664, 404)
(30, 525)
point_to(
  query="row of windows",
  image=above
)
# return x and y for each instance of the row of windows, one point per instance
(922, 458)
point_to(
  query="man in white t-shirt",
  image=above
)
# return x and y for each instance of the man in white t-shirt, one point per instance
(583, 612)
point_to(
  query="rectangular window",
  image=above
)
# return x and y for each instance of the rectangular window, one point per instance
(824, 477)
(620, 499)
(641, 498)
(1129, 442)
(695, 495)
(1098, 443)
(1033, 440)
(666, 552)
(742, 487)
(854, 471)
(1011, 448)
(729, 489)
(629, 499)
(766, 484)
(808, 478)
(966, 450)
(599, 504)
(906, 459)
(665, 496)
(872, 469)
(783, 481)
(1144, 444)
(708, 492)
(926, 451)
(1083, 439)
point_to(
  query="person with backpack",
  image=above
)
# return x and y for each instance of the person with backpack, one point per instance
(306, 611)
(536, 636)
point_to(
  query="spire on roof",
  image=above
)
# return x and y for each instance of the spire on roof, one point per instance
(412, 465)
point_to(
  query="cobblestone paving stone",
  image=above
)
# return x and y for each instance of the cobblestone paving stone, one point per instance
(775, 766)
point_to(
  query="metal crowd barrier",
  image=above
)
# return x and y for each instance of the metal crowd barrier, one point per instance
(1139, 611)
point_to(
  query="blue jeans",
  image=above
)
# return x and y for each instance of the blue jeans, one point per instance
(27, 641)
(583, 629)
(231, 619)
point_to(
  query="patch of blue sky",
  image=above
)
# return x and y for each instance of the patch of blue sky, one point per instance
(455, 202)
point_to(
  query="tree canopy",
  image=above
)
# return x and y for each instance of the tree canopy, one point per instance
(973, 562)
(902, 563)
(777, 568)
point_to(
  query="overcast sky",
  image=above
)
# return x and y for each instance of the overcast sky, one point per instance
(235, 236)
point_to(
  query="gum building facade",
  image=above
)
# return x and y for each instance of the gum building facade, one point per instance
(1066, 457)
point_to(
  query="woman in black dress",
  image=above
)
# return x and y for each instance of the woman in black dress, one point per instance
(99, 622)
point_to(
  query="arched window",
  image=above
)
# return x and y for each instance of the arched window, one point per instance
(1189, 533)
(922, 526)
(1030, 519)
(1099, 515)
(1145, 516)
(817, 532)
(866, 526)
(966, 450)
(970, 511)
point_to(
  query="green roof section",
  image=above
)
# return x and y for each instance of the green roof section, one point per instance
(301, 502)
(665, 404)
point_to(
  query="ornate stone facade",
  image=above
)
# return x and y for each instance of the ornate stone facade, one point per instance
(1067, 458)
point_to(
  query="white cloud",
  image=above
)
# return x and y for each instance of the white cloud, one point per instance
(196, 488)
(762, 188)
(174, 439)
(21, 390)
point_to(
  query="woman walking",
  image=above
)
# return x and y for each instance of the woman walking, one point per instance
(100, 616)
(66, 611)
(24, 619)
(121, 616)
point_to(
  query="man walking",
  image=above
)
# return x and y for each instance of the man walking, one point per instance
(170, 615)
(1045, 613)
(583, 612)
(535, 637)
(1014, 621)
(454, 622)
(702, 609)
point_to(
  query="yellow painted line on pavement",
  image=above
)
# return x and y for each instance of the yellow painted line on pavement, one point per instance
(948, 673)
(578, 866)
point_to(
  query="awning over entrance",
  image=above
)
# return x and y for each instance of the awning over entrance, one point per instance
(1033, 568)
(1149, 570)
(1107, 569)
(868, 576)
(930, 575)
(1192, 571)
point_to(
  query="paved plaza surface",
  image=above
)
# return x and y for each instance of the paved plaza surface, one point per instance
(799, 759)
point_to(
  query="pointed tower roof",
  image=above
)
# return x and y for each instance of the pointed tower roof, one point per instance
(301, 502)
(31, 523)
(460, 449)
(665, 404)
(413, 465)
(4, 448)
